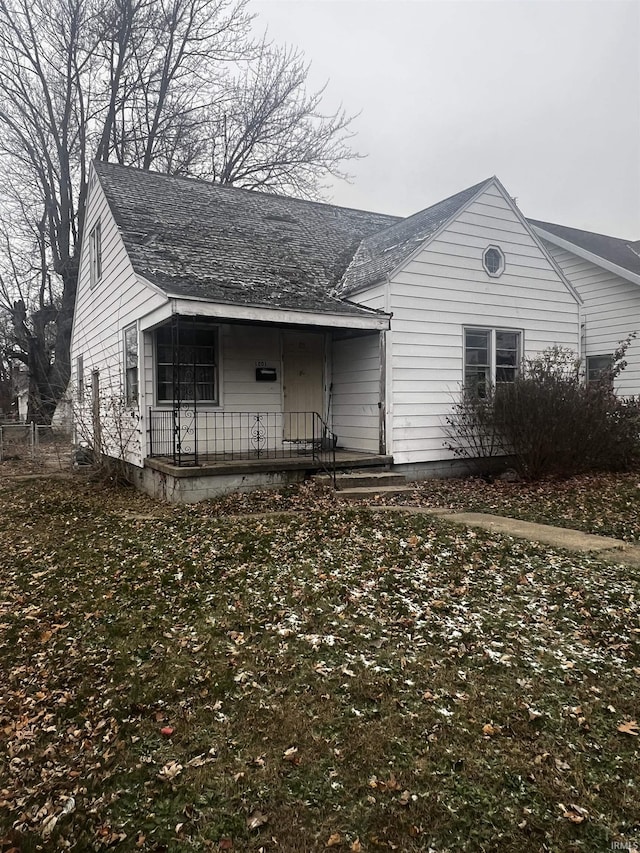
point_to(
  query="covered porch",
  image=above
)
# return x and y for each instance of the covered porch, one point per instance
(225, 395)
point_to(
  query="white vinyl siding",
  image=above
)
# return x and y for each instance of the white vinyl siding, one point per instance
(444, 289)
(244, 347)
(611, 311)
(374, 297)
(102, 313)
(356, 393)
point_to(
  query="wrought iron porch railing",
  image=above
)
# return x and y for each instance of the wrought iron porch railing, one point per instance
(193, 438)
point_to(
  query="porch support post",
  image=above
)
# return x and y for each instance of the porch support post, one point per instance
(382, 400)
(175, 357)
(195, 392)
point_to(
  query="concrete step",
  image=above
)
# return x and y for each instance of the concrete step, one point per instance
(363, 477)
(357, 493)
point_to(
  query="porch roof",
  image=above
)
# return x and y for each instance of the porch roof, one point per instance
(365, 320)
(198, 240)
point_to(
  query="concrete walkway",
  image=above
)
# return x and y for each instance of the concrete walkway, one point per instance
(605, 547)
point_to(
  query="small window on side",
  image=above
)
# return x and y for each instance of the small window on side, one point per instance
(597, 367)
(95, 254)
(80, 379)
(131, 365)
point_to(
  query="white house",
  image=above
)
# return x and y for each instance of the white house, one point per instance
(225, 338)
(606, 273)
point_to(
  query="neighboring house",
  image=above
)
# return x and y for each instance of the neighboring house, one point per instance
(22, 395)
(14, 393)
(606, 273)
(225, 338)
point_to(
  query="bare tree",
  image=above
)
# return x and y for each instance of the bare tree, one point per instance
(176, 85)
(270, 133)
(84, 78)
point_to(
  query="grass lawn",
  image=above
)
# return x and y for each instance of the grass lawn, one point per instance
(180, 679)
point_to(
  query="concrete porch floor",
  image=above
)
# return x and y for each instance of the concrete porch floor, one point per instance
(213, 466)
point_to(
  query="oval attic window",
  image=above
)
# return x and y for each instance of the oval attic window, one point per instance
(493, 261)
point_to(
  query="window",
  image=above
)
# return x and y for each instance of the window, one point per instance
(491, 356)
(195, 364)
(507, 355)
(80, 379)
(477, 361)
(493, 261)
(597, 365)
(131, 365)
(95, 254)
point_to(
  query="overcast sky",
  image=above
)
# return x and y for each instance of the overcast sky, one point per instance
(545, 94)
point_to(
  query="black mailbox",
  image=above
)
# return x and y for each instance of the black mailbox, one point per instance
(266, 374)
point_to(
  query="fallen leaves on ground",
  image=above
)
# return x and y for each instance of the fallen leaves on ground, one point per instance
(181, 677)
(256, 820)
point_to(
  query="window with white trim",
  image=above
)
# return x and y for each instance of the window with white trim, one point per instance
(131, 365)
(491, 357)
(194, 361)
(95, 254)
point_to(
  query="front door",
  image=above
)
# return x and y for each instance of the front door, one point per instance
(303, 374)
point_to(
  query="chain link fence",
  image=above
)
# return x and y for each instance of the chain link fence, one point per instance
(40, 446)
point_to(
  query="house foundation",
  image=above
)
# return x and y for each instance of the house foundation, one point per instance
(164, 481)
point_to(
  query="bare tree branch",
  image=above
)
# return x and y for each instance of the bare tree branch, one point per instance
(271, 133)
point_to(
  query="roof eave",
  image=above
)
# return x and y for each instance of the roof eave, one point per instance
(528, 226)
(366, 319)
(583, 253)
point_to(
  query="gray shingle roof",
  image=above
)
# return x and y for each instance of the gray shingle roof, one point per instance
(196, 239)
(380, 253)
(623, 253)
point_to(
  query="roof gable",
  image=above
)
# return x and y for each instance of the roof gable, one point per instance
(381, 253)
(613, 253)
(195, 239)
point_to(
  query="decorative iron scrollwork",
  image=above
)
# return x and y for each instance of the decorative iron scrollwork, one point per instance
(258, 434)
(185, 429)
